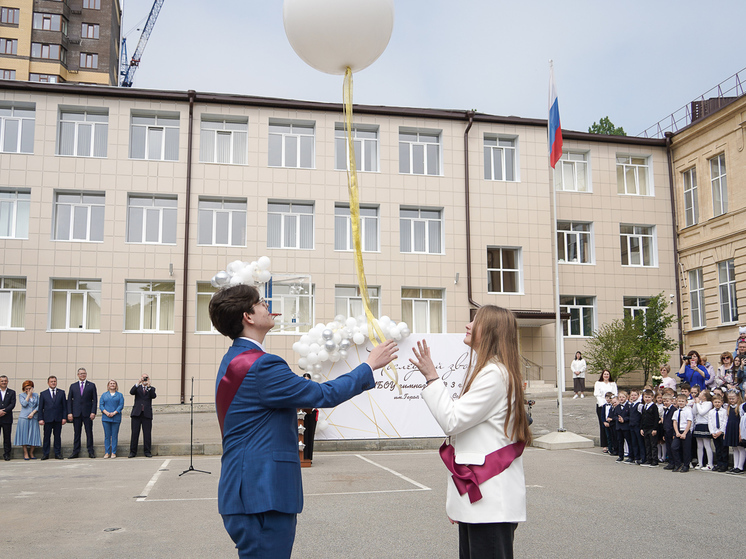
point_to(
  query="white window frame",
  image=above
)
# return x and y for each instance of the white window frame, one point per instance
(287, 213)
(425, 302)
(426, 222)
(15, 207)
(17, 113)
(719, 183)
(629, 168)
(163, 207)
(230, 213)
(370, 225)
(417, 144)
(634, 306)
(499, 268)
(167, 146)
(501, 148)
(89, 202)
(727, 292)
(579, 309)
(636, 239)
(233, 129)
(289, 133)
(205, 291)
(289, 293)
(155, 295)
(91, 124)
(576, 235)
(79, 290)
(697, 311)
(11, 297)
(691, 199)
(348, 300)
(366, 148)
(570, 167)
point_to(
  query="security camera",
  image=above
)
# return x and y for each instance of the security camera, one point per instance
(671, 295)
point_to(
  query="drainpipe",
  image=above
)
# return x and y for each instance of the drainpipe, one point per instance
(185, 275)
(669, 154)
(470, 115)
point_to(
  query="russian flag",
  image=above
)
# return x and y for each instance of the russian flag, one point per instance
(555, 128)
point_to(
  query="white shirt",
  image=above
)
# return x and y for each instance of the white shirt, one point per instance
(701, 410)
(2, 394)
(578, 366)
(601, 388)
(686, 415)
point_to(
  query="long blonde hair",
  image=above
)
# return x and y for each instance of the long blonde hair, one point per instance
(495, 339)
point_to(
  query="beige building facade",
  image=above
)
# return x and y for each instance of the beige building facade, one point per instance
(118, 206)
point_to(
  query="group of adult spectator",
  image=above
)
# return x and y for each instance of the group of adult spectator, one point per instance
(52, 408)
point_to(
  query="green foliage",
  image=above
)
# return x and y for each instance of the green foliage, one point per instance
(612, 347)
(654, 343)
(605, 126)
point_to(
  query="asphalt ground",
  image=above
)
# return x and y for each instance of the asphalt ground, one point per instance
(581, 503)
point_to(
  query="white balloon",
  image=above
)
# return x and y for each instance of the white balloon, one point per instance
(235, 280)
(322, 425)
(234, 267)
(337, 337)
(405, 332)
(315, 347)
(316, 377)
(334, 356)
(304, 339)
(358, 338)
(323, 355)
(350, 322)
(222, 278)
(339, 318)
(314, 335)
(303, 363)
(317, 368)
(303, 349)
(214, 282)
(264, 276)
(312, 358)
(343, 353)
(263, 263)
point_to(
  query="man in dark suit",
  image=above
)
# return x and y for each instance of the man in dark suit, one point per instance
(142, 415)
(52, 408)
(7, 403)
(82, 402)
(256, 397)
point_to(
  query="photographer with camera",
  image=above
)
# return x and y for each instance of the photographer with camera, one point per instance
(693, 370)
(142, 415)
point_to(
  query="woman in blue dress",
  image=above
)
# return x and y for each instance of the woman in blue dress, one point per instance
(111, 404)
(27, 430)
(693, 371)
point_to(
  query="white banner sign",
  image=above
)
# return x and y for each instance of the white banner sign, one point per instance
(384, 413)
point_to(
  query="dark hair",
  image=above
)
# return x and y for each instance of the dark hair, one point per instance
(576, 356)
(307, 375)
(228, 306)
(601, 378)
(685, 386)
(648, 392)
(694, 352)
(50, 377)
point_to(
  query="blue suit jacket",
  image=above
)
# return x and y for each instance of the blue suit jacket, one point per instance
(623, 411)
(52, 410)
(260, 464)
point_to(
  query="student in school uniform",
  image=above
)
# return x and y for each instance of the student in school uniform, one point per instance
(668, 432)
(621, 419)
(637, 447)
(682, 443)
(649, 426)
(611, 403)
(717, 419)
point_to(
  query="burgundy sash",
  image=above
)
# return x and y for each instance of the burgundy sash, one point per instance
(468, 478)
(231, 381)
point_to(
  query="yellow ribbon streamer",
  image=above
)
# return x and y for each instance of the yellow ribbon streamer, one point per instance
(354, 193)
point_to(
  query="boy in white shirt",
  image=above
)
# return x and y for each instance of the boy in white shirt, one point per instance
(717, 418)
(682, 442)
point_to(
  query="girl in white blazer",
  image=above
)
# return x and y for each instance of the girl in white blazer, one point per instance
(488, 416)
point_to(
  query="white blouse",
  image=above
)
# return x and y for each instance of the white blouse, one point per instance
(601, 388)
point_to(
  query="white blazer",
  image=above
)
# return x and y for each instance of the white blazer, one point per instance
(475, 423)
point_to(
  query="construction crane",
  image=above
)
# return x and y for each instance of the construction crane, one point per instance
(127, 68)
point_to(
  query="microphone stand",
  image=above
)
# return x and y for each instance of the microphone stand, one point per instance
(191, 467)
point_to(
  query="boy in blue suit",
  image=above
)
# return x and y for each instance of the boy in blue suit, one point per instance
(256, 398)
(622, 427)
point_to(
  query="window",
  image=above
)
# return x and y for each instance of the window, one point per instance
(719, 185)
(49, 22)
(224, 140)
(92, 4)
(290, 225)
(149, 306)
(638, 245)
(75, 305)
(49, 52)
(205, 291)
(291, 144)
(294, 302)
(500, 158)
(88, 60)
(83, 132)
(79, 216)
(421, 230)
(697, 298)
(222, 221)
(17, 127)
(503, 270)
(691, 202)
(365, 140)
(45, 78)
(582, 311)
(635, 306)
(574, 244)
(419, 152)
(727, 288)
(12, 303)
(151, 219)
(7, 74)
(89, 31)
(422, 309)
(348, 300)
(632, 175)
(8, 46)
(10, 15)
(154, 136)
(14, 213)
(571, 173)
(368, 228)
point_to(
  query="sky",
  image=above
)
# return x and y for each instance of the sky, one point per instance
(633, 61)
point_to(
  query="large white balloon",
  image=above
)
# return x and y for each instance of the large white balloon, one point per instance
(331, 35)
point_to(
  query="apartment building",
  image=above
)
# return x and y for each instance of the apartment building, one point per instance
(117, 206)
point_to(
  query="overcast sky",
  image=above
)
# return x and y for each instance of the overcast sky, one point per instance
(635, 61)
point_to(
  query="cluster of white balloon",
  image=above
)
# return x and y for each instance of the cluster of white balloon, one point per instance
(250, 273)
(332, 341)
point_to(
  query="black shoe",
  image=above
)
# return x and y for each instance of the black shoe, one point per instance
(45, 457)
(132, 455)
(58, 456)
(638, 462)
(736, 471)
(91, 455)
(148, 456)
(684, 469)
(620, 459)
(677, 468)
(6, 458)
(654, 464)
(76, 455)
(668, 467)
(629, 461)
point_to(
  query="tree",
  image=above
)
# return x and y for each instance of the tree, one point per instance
(605, 126)
(613, 347)
(653, 342)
